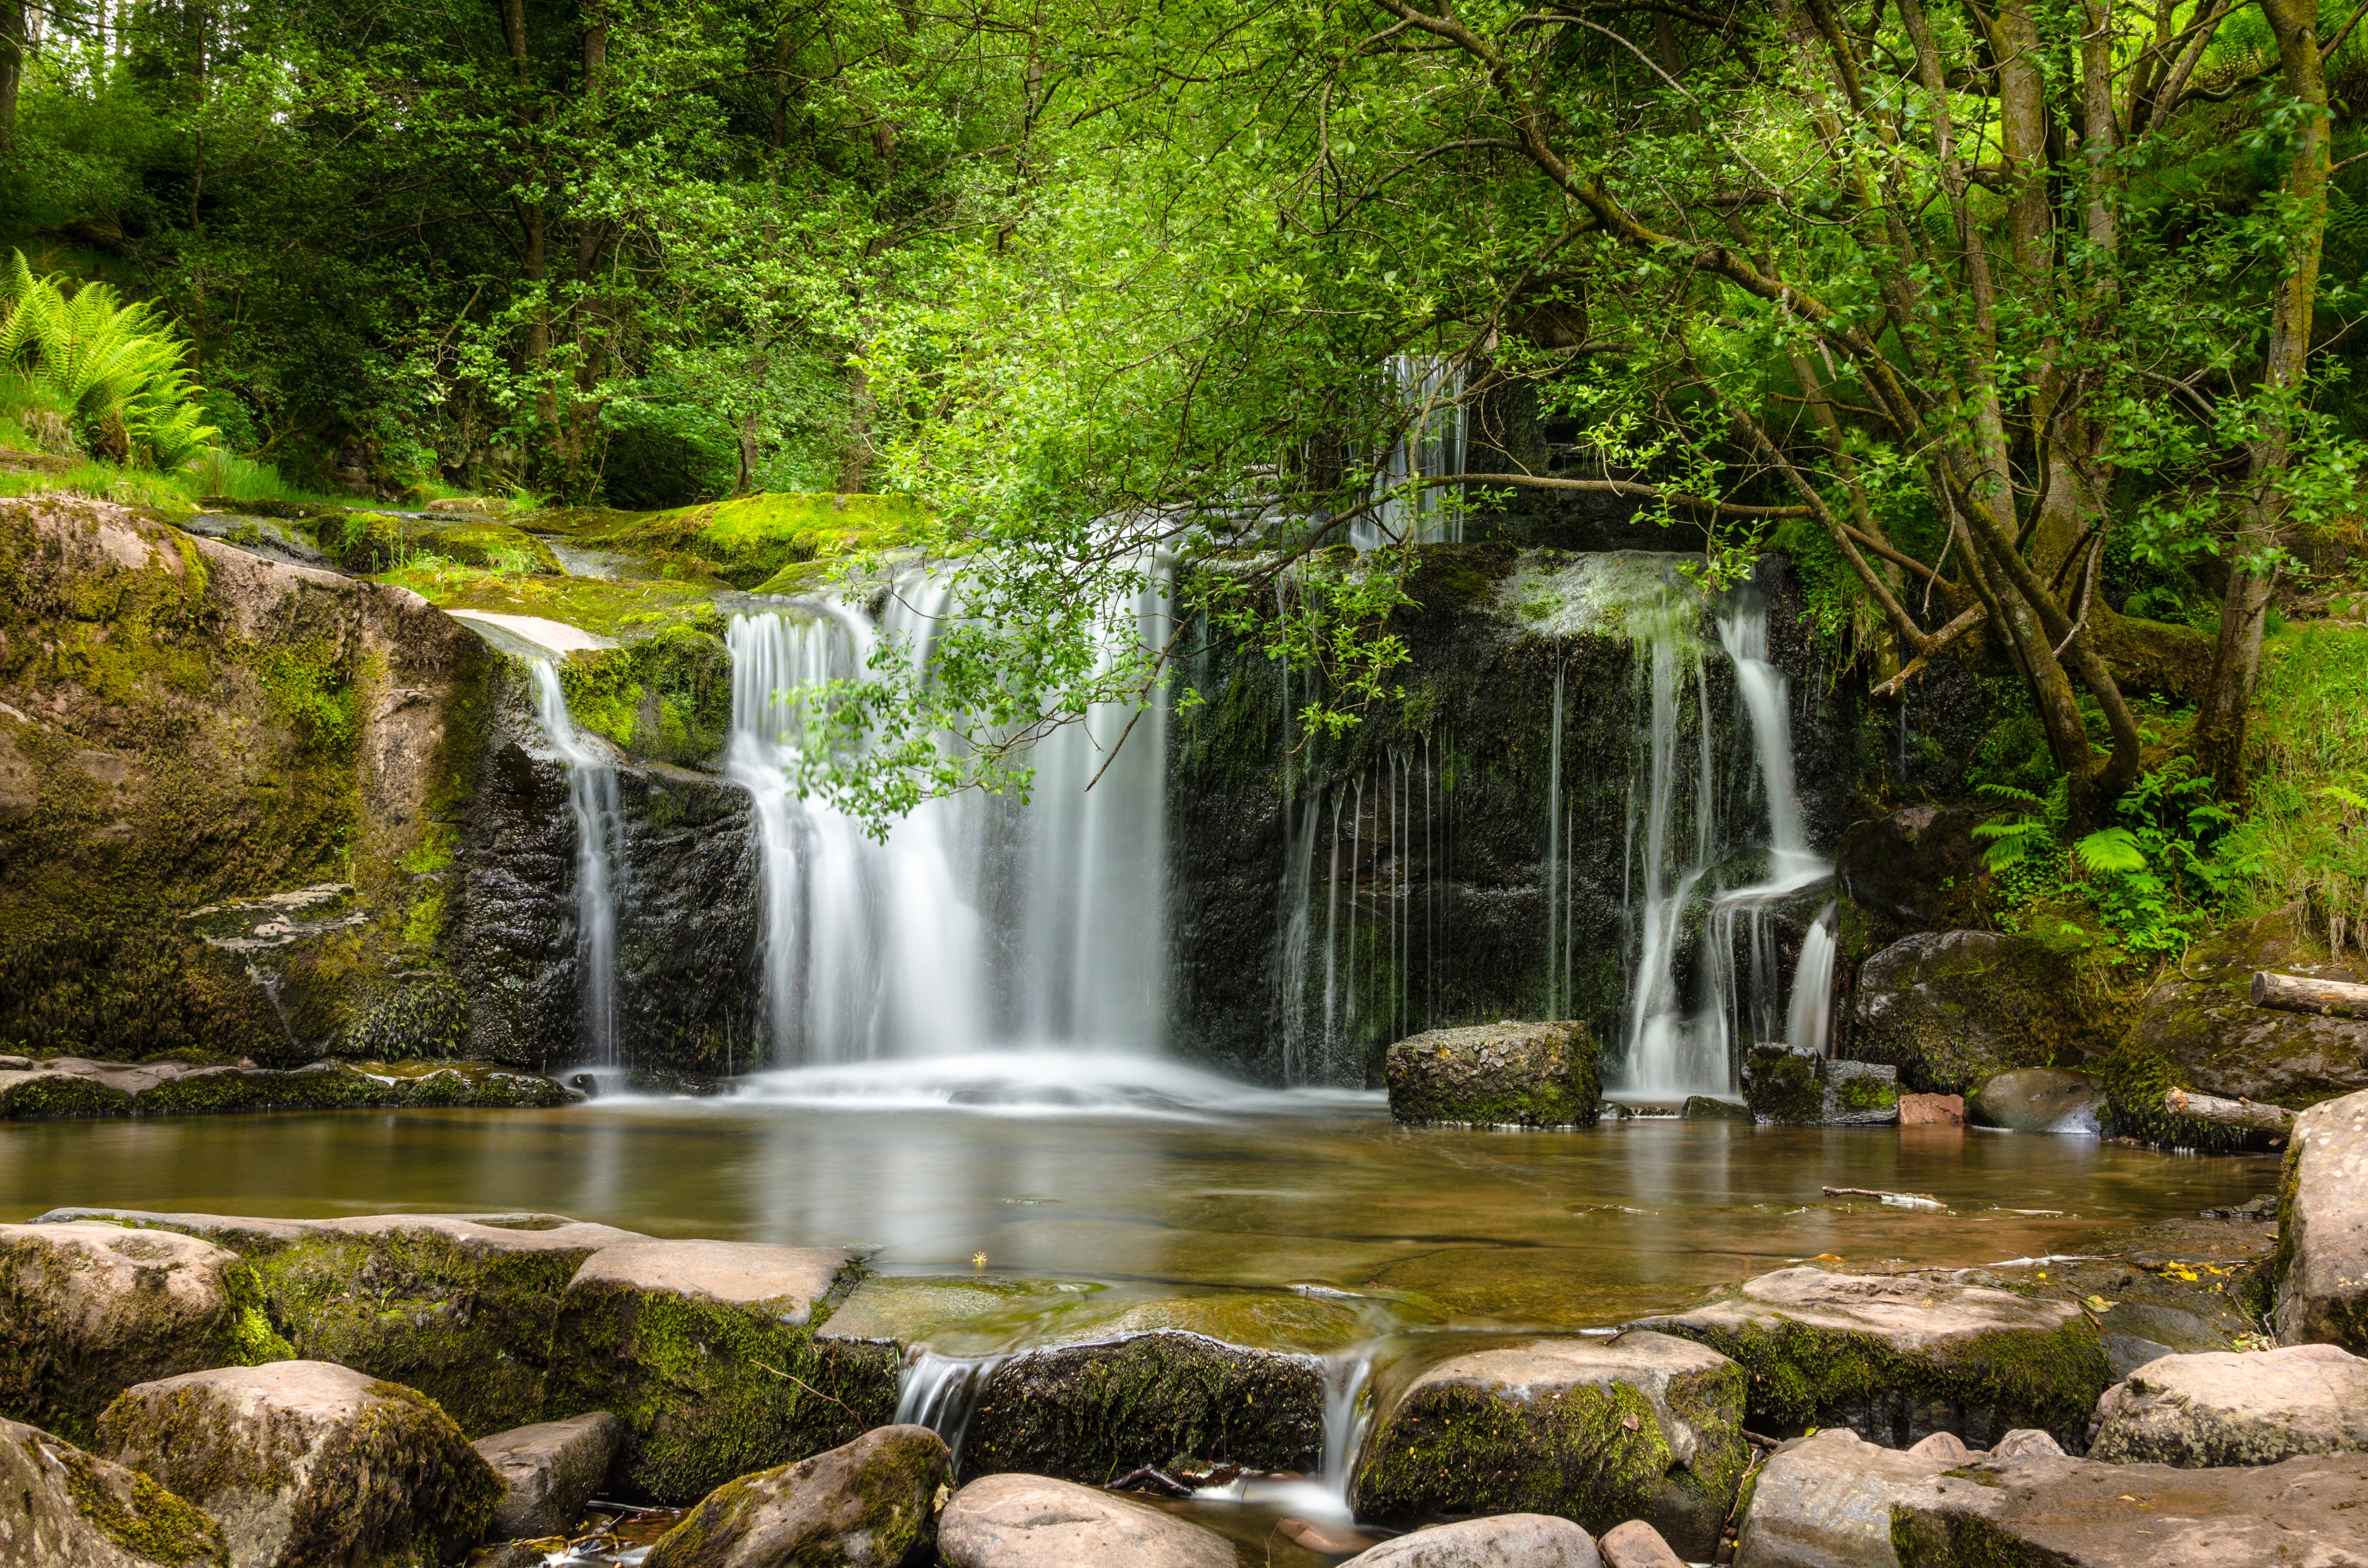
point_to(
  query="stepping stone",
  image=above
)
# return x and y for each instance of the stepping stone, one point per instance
(1502, 1540)
(305, 1463)
(65, 1507)
(1824, 1501)
(1641, 1426)
(1900, 1356)
(870, 1502)
(2229, 1408)
(1504, 1074)
(552, 1469)
(1030, 1521)
(2323, 1237)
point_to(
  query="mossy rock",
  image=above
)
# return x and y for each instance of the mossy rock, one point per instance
(1797, 1086)
(1507, 1074)
(2137, 1078)
(73, 1509)
(488, 545)
(872, 1500)
(955, 1312)
(1644, 1427)
(169, 1089)
(50, 1096)
(1951, 1009)
(747, 541)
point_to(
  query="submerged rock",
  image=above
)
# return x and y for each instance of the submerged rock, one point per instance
(551, 1469)
(2322, 1228)
(1091, 1412)
(872, 1502)
(1599, 1431)
(1900, 1356)
(305, 1464)
(1798, 1087)
(67, 1507)
(1824, 1501)
(2066, 1513)
(1505, 1074)
(1028, 1521)
(1504, 1540)
(2040, 1099)
(2225, 1408)
(2199, 1016)
(707, 1352)
(86, 1309)
(1953, 1008)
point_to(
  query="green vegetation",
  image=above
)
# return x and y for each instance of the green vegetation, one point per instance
(113, 370)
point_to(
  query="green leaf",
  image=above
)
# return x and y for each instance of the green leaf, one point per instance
(2112, 850)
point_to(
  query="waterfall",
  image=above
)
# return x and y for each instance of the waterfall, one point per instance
(978, 924)
(1809, 1017)
(599, 860)
(941, 1393)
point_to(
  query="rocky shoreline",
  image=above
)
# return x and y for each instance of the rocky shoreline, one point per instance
(186, 1388)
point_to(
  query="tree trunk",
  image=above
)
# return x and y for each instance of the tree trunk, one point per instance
(13, 44)
(2301, 994)
(2249, 1114)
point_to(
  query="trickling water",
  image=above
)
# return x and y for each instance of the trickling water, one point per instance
(599, 860)
(1809, 1018)
(941, 1393)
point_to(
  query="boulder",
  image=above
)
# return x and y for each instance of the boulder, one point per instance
(1952, 1008)
(305, 1463)
(1599, 1431)
(87, 1310)
(2067, 1512)
(1798, 1087)
(1089, 1411)
(869, 1503)
(1917, 869)
(1504, 1074)
(1502, 1540)
(2322, 1255)
(1029, 1521)
(1931, 1110)
(1636, 1545)
(65, 1509)
(1824, 1501)
(706, 1351)
(2201, 1017)
(2227, 1408)
(1903, 1355)
(2040, 1099)
(2026, 1442)
(552, 1469)
(1708, 1108)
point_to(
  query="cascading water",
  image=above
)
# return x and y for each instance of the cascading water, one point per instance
(599, 859)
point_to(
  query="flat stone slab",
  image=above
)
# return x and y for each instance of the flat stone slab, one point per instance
(872, 1502)
(2067, 1512)
(979, 1312)
(1599, 1431)
(2322, 1228)
(1502, 1540)
(66, 1508)
(305, 1464)
(551, 1470)
(1030, 1521)
(1824, 1501)
(1903, 1355)
(2232, 1408)
(88, 1309)
(1505, 1074)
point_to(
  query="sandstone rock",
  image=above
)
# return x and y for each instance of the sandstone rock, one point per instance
(1089, 1411)
(1824, 1501)
(2040, 1099)
(1505, 1074)
(305, 1463)
(2024, 1443)
(2322, 1228)
(1598, 1431)
(1952, 1008)
(1636, 1545)
(1027, 1522)
(2066, 1513)
(2230, 1409)
(1501, 1540)
(2201, 1016)
(552, 1469)
(1903, 1356)
(64, 1508)
(869, 1503)
(1795, 1086)
(87, 1310)
(706, 1351)
(1931, 1110)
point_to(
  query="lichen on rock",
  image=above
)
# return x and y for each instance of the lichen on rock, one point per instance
(1505, 1074)
(67, 1509)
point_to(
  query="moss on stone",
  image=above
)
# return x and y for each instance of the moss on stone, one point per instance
(2135, 1080)
(1591, 1453)
(60, 1095)
(1782, 1085)
(151, 1523)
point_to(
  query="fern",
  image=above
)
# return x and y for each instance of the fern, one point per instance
(104, 362)
(2111, 852)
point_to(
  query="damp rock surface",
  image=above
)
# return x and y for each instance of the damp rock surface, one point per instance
(551, 1470)
(1505, 1075)
(1032, 1521)
(1636, 1545)
(872, 1502)
(1824, 1501)
(2200, 1018)
(79, 1086)
(2322, 1256)
(305, 1464)
(88, 1309)
(2068, 1513)
(66, 1508)
(1797, 1086)
(1951, 1009)
(1503, 1541)
(1901, 1357)
(2040, 1099)
(2227, 1408)
(1644, 1425)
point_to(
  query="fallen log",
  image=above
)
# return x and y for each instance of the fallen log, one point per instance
(2251, 1114)
(2300, 993)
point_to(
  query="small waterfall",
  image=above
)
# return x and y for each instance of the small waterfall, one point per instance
(1809, 1017)
(941, 1393)
(599, 860)
(1347, 1414)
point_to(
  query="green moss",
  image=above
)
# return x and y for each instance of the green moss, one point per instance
(151, 1523)
(1782, 1085)
(1867, 1093)
(2136, 1081)
(250, 1339)
(60, 1095)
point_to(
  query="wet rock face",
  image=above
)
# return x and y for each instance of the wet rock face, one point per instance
(1091, 1412)
(1028, 1521)
(1503, 1075)
(65, 1507)
(2322, 1228)
(2226, 1409)
(1641, 1426)
(551, 1469)
(87, 1310)
(2200, 1015)
(2041, 1099)
(872, 1502)
(1795, 1085)
(303, 1462)
(78, 1087)
(1953, 1008)
(1901, 1357)
(2299, 1514)
(1506, 1541)
(1824, 1501)
(1917, 869)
